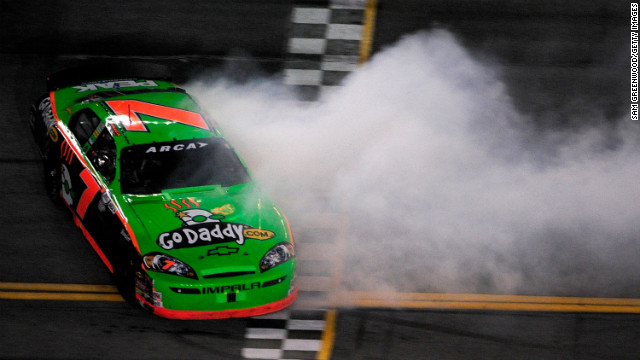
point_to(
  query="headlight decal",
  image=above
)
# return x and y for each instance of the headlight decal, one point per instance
(167, 264)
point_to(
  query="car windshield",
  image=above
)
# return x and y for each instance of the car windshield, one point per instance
(151, 168)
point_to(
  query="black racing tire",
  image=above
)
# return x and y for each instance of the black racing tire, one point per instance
(38, 131)
(124, 277)
(32, 119)
(52, 176)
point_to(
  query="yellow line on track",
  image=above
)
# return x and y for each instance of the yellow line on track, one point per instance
(87, 292)
(61, 296)
(58, 287)
(486, 302)
(63, 292)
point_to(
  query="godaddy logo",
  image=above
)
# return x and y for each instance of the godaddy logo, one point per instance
(203, 228)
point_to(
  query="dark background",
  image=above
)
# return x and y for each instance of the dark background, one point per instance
(558, 59)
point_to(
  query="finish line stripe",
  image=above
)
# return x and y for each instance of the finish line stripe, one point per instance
(328, 335)
(367, 32)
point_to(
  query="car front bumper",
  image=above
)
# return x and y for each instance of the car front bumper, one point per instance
(181, 298)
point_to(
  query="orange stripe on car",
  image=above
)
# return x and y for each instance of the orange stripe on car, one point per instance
(91, 241)
(63, 130)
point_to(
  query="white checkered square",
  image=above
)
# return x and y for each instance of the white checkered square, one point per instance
(307, 46)
(310, 16)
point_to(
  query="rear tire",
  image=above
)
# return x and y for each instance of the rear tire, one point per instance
(52, 176)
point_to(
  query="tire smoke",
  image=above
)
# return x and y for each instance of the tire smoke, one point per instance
(444, 184)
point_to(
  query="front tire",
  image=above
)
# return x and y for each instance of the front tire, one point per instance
(127, 272)
(124, 275)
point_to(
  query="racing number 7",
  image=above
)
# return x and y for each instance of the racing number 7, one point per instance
(88, 194)
(131, 109)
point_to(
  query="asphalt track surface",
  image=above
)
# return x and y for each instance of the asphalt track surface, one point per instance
(41, 244)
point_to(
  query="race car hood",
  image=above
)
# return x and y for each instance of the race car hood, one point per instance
(213, 229)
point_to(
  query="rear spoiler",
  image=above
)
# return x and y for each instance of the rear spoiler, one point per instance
(107, 71)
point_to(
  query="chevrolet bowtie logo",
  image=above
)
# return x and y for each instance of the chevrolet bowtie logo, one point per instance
(222, 250)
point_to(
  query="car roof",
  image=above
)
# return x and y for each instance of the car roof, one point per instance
(137, 111)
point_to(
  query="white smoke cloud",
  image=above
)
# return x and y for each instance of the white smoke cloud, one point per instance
(444, 184)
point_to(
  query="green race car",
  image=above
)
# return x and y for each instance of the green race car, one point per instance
(164, 199)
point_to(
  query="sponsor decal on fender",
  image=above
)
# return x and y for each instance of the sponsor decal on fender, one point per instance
(46, 112)
(53, 134)
(201, 227)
